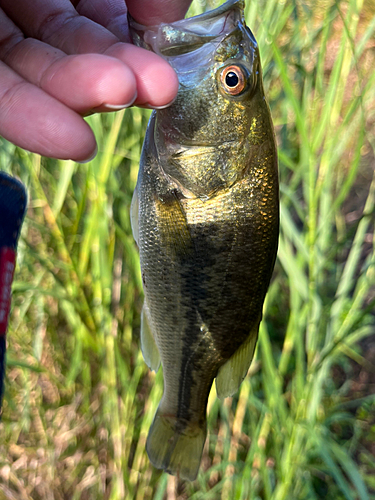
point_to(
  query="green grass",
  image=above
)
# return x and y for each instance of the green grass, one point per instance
(79, 399)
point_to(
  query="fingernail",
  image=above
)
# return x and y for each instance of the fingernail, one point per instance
(117, 107)
(165, 105)
(91, 157)
(147, 105)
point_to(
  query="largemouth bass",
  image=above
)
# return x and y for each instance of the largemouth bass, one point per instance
(206, 219)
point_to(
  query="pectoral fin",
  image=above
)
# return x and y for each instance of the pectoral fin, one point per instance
(148, 346)
(231, 374)
(134, 210)
(173, 226)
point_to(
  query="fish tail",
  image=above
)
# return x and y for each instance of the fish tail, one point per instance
(176, 446)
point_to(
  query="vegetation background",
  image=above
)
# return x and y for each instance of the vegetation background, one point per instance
(79, 398)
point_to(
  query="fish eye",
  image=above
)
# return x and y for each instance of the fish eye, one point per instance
(233, 79)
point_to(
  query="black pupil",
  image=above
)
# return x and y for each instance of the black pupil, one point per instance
(231, 79)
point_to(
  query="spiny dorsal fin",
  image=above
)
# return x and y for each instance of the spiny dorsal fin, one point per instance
(148, 346)
(134, 211)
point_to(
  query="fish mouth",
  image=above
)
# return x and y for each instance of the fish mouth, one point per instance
(179, 145)
(188, 35)
(191, 143)
(218, 12)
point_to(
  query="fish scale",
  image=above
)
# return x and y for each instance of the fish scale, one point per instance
(205, 215)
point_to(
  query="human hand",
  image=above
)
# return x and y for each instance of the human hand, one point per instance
(62, 59)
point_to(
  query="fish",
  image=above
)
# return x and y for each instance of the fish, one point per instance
(205, 216)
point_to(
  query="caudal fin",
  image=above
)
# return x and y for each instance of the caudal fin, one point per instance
(175, 446)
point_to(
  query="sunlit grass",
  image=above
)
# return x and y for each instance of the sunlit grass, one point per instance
(79, 399)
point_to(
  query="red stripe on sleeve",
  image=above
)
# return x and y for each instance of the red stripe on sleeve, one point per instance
(7, 265)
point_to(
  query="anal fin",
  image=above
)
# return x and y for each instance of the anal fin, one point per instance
(231, 374)
(148, 345)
